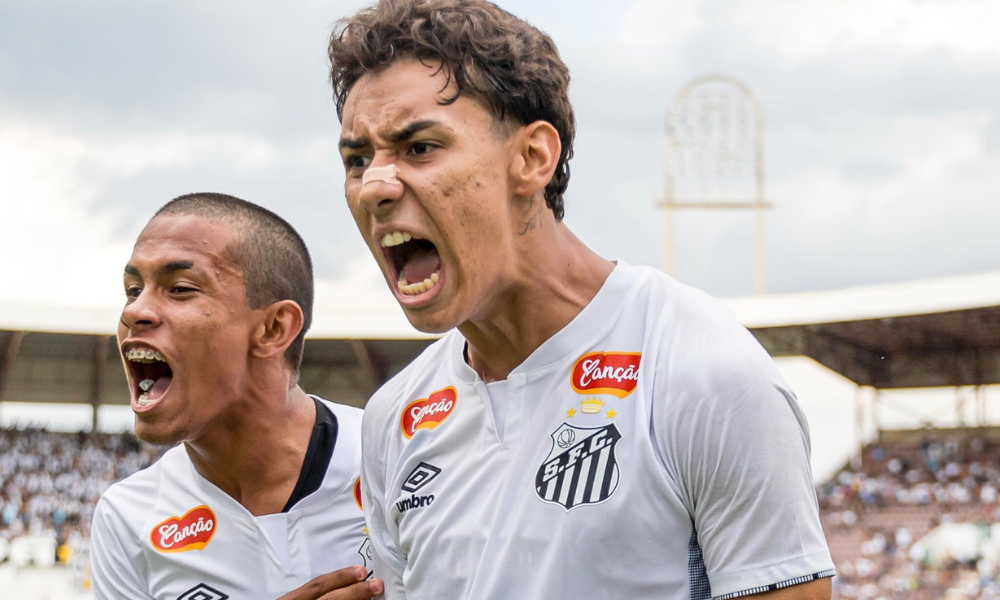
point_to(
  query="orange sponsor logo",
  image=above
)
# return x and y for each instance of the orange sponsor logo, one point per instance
(357, 491)
(193, 531)
(429, 412)
(615, 373)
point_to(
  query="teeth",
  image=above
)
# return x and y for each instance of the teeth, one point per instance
(144, 355)
(395, 238)
(412, 289)
(145, 384)
(144, 400)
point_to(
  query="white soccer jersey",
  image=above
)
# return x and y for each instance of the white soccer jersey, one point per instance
(167, 533)
(649, 450)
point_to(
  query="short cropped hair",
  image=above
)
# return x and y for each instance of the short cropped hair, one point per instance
(269, 253)
(511, 67)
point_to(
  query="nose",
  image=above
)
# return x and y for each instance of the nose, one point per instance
(141, 313)
(380, 193)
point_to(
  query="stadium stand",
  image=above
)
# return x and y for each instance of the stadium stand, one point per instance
(49, 486)
(877, 518)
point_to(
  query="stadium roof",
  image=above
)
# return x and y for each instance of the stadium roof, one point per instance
(941, 332)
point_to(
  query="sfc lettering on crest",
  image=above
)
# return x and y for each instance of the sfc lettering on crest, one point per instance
(581, 467)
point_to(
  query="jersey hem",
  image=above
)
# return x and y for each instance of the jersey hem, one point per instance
(777, 586)
(800, 569)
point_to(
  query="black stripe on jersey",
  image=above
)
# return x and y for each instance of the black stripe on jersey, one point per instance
(559, 482)
(609, 472)
(779, 585)
(571, 497)
(322, 441)
(591, 478)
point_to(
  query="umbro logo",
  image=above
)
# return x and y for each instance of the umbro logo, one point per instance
(203, 592)
(420, 476)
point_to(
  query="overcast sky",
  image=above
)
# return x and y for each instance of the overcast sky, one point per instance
(882, 135)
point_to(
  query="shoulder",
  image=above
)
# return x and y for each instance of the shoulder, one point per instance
(127, 503)
(409, 383)
(704, 367)
(698, 341)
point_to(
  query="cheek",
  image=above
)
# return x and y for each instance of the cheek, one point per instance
(352, 188)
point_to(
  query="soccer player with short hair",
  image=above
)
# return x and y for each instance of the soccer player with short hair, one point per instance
(261, 495)
(585, 428)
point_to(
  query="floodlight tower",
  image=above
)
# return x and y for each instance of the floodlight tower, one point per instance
(715, 157)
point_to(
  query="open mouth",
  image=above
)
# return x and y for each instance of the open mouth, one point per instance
(151, 375)
(415, 262)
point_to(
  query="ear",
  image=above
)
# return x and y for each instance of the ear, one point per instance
(538, 148)
(281, 325)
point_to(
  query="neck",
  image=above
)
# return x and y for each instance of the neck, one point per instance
(556, 277)
(256, 455)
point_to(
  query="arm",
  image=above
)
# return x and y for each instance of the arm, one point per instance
(814, 590)
(737, 447)
(117, 566)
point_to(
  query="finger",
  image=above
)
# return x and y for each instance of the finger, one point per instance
(358, 591)
(316, 587)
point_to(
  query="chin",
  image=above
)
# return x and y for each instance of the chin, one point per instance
(156, 433)
(430, 322)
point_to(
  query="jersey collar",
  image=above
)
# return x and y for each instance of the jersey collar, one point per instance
(591, 322)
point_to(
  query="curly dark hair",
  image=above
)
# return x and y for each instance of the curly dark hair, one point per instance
(509, 66)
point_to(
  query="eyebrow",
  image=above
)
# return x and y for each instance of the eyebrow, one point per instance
(395, 137)
(171, 267)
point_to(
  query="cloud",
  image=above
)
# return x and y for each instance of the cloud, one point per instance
(809, 30)
(881, 131)
(58, 250)
(654, 22)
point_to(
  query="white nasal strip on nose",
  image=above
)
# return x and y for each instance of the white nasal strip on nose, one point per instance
(386, 174)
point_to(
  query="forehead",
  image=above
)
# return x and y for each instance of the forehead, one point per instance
(383, 102)
(194, 238)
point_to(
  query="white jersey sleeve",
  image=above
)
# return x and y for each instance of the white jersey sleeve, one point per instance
(736, 444)
(118, 567)
(377, 432)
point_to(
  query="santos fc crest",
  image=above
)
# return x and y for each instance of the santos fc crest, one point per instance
(581, 467)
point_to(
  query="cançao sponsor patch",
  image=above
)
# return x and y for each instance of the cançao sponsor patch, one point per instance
(614, 373)
(357, 492)
(193, 531)
(429, 412)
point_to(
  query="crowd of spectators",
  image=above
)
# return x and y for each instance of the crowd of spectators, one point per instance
(874, 516)
(50, 482)
(946, 473)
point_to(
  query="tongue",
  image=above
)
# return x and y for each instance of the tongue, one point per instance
(160, 386)
(422, 264)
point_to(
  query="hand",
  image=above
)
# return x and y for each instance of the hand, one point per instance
(345, 584)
